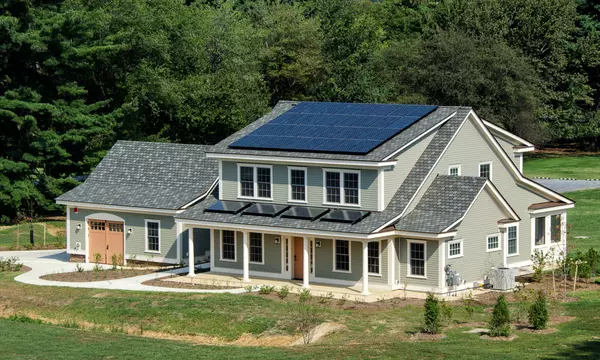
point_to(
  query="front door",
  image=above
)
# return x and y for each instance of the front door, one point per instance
(298, 257)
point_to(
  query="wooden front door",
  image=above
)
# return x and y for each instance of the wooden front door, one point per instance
(105, 240)
(298, 257)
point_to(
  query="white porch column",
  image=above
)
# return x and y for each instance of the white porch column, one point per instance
(365, 268)
(246, 260)
(504, 241)
(306, 264)
(391, 249)
(191, 260)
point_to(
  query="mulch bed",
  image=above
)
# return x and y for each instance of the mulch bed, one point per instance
(183, 285)
(89, 276)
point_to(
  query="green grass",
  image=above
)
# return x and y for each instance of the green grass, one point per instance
(577, 167)
(8, 235)
(584, 219)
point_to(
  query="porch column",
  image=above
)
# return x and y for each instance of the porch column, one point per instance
(191, 252)
(504, 241)
(365, 269)
(246, 260)
(306, 265)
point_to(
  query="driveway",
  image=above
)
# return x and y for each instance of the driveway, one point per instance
(44, 262)
(560, 185)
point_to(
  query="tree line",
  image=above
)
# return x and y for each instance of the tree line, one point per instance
(76, 75)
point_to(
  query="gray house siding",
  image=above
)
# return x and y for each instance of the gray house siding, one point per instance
(406, 160)
(480, 221)
(368, 185)
(432, 261)
(201, 242)
(469, 148)
(271, 256)
(507, 146)
(324, 263)
(134, 242)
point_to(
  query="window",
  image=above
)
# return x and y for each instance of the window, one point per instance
(555, 230)
(256, 248)
(513, 248)
(97, 225)
(373, 257)
(485, 170)
(454, 170)
(255, 181)
(416, 259)
(152, 236)
(540, 231)
(115, 227)
(228, 245)
(493, 242)
(297, 184)
(342, 255)
(455, 249)
(342, 187)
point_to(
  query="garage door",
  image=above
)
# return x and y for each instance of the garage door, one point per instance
(105, 241)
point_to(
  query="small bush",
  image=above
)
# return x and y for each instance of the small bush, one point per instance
(249, 288)
(305, 296)
(469, 304)
(24, 319)
(500, 322)
(10, 264)
(432, 315)
(341, 301)
(539, 261)
(538, 312)
(446, 311)
(266, 289)
(283, 292)
(305, 318)
(78, 267)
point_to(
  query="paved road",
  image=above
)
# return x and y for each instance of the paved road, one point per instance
(45, 262)
(568, 185)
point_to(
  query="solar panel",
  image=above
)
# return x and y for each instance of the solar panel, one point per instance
(304, 212)
(228, 207)
(265, 210)
(334, 127)
(345, 216)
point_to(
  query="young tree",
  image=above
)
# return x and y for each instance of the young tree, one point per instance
(538, 312)
(500, 322)
(432, 315)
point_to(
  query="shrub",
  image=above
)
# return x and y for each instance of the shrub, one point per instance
(305, 296)
(500, 323)
(10, 264)
(266, 289)
(305, 318)
(283, 292)
(78, 267)
(539, 260)
(446, 312)
(249, 288)
(469, 304)
(538, 312)
(432, 315)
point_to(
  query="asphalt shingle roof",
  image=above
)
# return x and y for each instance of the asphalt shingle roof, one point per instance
(378, 154)
(148, 175)
(397, 205)
(446, 200)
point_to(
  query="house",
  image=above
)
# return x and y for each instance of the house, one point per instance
(379, 195)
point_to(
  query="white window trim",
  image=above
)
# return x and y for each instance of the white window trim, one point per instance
(146, 249)
(255, 181)
(234, 246)
(262, 248)
(462, 249)
(547, 238)
(342, 193)
(490, 163)
(508, 247)
(457, 166)
(499, 236)
(408, 272)
(349, 256)
(379, 257)
(290, 168)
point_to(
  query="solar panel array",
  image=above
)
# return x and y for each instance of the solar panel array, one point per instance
(334, 127)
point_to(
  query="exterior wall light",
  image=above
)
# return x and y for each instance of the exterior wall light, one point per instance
(318, 244)
(78, 226)
(277, 240)
(129, 231)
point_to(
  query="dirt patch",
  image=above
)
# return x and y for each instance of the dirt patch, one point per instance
(498, 338)
(321, 331)
(426, 337)
(90, 276)
(540, 332)
(557, 320)
(183, 285)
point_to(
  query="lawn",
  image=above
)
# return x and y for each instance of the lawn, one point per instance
(583, 219)
(577, 167)
(14, 235)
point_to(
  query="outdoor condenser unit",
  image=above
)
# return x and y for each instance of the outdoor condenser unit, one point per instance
(503, 278)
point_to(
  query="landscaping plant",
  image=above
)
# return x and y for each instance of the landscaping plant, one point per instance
(266, 289)
(538, 312)
(500, 322)
(446, 312)
(469, 304)
(539, 260)
(10, 264)
(283, 292)
(305, 296)
(432, 315)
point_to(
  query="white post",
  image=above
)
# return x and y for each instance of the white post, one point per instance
(391, 249)
(305, 265)
(246, 261)
(504, 236)
(191, 261)
(365, 268)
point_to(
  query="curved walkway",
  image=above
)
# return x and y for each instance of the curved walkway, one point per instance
(44, 262)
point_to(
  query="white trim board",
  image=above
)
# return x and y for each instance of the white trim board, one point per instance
(304, 161)
(509, 135)
(90, 206)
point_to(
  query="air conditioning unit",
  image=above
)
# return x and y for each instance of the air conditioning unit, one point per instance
(503, 278)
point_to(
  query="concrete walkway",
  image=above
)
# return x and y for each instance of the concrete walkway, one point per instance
(561, 186)
(44, 262)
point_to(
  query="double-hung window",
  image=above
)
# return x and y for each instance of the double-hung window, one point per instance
(342, 187)
(513, 238)
(373, 257)
(228, 245)
(416, 259)
(540, 231)
(342, 255)
(255, 181)
(556, 228)
(256, 248)
(485, 170)
(493, 242)
(297, 178)
(153, 236)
